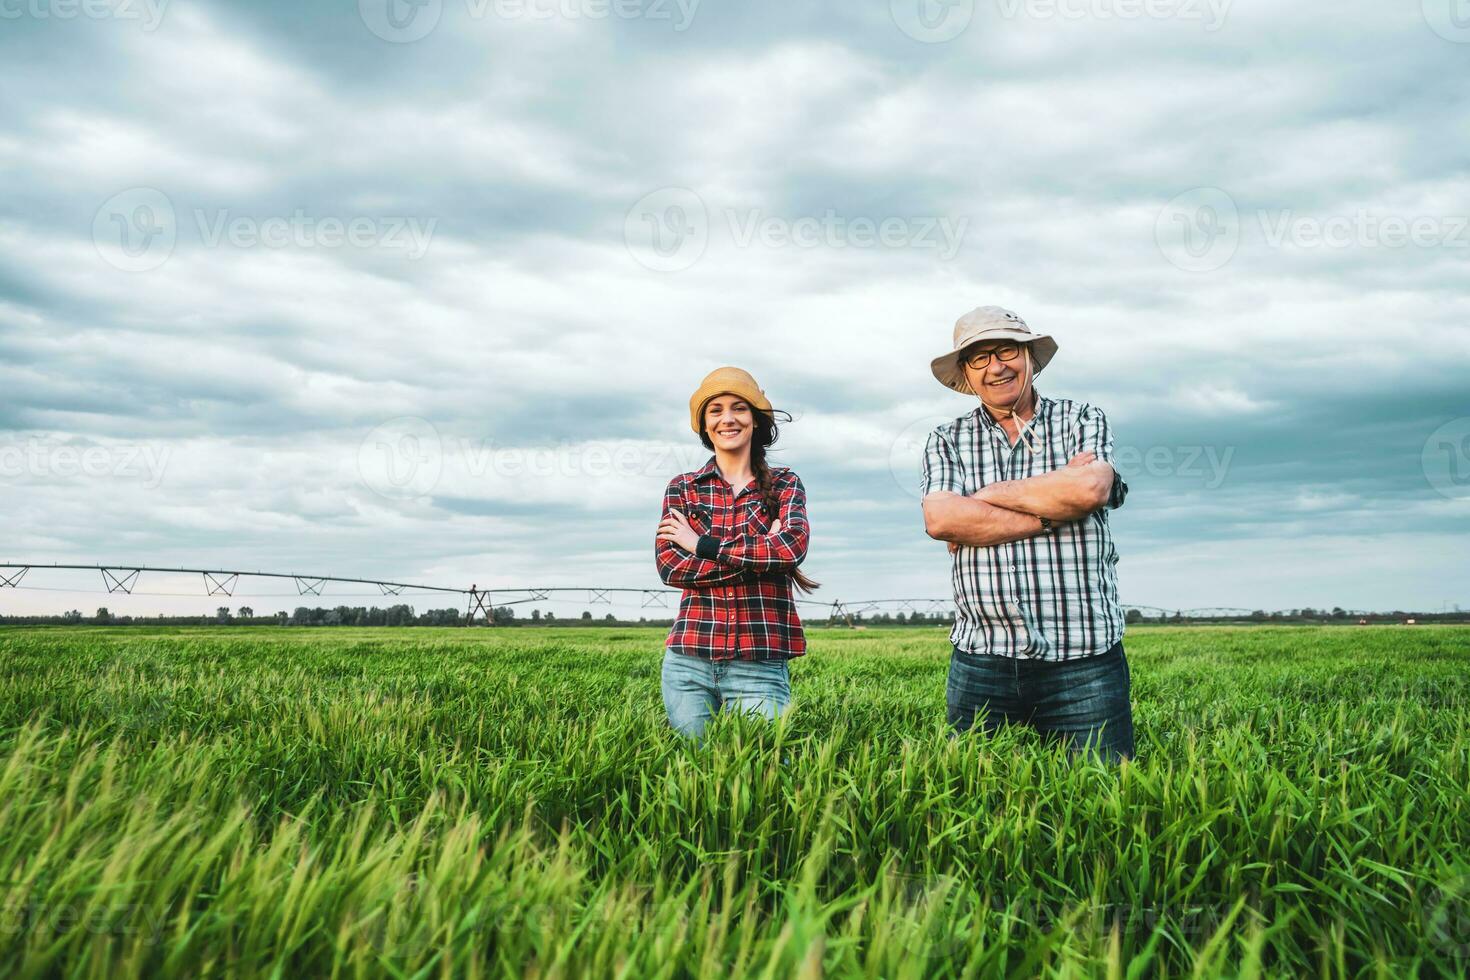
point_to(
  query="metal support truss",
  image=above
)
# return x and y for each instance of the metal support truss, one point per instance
(221, 584)
(309, 586)
(659, 599)
(117, 582)
(13, 580)
(386, 589)
(595, 596)
(480, 605)
(839, 608)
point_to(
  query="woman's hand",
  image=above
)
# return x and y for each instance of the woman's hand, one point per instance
(675, 528)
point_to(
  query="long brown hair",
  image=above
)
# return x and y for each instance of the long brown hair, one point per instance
(765, 436)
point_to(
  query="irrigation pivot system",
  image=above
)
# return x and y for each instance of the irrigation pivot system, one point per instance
(480, 604)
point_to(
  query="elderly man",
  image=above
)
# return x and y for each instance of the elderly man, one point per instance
(1020, 487)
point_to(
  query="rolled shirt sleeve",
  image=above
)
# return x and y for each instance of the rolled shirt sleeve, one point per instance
(942, 470)
(1095, 435)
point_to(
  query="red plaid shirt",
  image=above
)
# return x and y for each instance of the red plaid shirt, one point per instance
(739, 605)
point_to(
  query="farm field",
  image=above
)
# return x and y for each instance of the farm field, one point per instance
(433, 802)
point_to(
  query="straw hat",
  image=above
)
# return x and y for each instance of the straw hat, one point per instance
(988, 323)
(725, 381)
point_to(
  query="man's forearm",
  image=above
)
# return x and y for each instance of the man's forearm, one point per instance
(975, 523)
(1066, 494)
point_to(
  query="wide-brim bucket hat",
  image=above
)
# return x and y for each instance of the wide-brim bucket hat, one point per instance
(988, 323)
(725, 381)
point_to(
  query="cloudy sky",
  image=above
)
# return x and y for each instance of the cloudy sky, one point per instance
(420, 290)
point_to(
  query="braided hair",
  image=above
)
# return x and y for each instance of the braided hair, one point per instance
(765, 436)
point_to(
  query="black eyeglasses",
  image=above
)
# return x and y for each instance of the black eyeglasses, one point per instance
(1005, 352)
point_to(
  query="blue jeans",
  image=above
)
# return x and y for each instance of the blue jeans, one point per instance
(695, 688)
(1083, 703)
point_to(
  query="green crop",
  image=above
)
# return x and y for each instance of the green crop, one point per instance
(434, 803)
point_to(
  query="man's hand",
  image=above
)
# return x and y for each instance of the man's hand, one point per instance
(676, 528)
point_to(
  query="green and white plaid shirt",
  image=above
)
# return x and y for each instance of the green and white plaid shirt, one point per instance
(1050, 597)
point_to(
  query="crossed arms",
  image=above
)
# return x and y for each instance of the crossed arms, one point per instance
(1012, 510)
(735, 559)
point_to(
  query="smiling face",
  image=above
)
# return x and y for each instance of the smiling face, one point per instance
(1000, 384)
(729, 422)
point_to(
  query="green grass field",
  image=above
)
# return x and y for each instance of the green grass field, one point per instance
(420, 802)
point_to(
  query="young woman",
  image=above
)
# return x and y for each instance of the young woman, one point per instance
(732, 536)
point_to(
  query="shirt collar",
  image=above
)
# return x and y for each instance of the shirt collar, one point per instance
(1043, 406)
(708, 470)
(711, 471)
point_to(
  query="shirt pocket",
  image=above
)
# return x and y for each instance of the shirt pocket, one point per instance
(753, 519)
(700, 518)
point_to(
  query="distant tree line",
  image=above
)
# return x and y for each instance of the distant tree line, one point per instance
(405, 615)
(1304, 615)
(396, 615)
